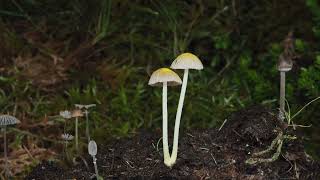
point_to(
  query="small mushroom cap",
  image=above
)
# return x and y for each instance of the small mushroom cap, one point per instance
(87, 106)
(67, 137)
(92, 148)
(187, 61)
(284, 64)
(65, 114)
(77, 113)
(6, 120)
(162, 75)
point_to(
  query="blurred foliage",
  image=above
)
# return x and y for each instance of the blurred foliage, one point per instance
(110, 47)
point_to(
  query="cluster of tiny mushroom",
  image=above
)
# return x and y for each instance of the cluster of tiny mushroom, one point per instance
(92, 146)
(76, 114)
(166, 77)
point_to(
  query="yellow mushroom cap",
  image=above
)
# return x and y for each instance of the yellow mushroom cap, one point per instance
(187, 61)
(162, 75)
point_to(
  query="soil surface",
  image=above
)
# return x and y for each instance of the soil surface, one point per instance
(202, 154)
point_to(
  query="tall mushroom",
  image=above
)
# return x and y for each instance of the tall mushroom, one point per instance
(6, 120)
(76, 114)
(284, 65)
(86, 112)
(164, 77)
(184, 61)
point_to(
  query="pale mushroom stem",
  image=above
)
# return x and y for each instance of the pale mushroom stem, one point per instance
(282, 91)
(178, 118)
(87, 125)
(166, 154)
(5, 153)
(95, 166)
(76, 135)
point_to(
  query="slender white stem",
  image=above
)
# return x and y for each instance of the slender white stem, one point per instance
(282, 91)
(5, 153)
(178, 118)
(95, 166)
(87, 125)
(166, 154)
(76, 134)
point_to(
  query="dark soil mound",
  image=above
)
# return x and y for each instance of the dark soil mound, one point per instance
(252, 125)
(203, 154)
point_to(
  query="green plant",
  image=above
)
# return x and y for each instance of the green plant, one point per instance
(290, 117)
(309, 78)
(104, 20)
(314, 7)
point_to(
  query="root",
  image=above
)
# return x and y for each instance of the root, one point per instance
(272, 146)
(277, 141)
(275, 156)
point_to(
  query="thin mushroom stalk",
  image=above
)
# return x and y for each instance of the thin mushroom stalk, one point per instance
(95, 166)
(76, 135)
(284, 65)
(282, 91)
(76, 114)
(5, 152)
(178, 117)
(184, 61)
(166, 154)
(86, 112)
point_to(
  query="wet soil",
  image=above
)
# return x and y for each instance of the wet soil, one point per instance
(203, 154)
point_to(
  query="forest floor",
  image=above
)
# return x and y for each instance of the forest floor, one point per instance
(203, 154)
